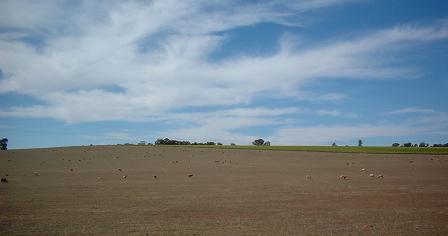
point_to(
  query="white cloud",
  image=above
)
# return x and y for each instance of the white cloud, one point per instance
(411, 110)
(336, 113)
(102, 48)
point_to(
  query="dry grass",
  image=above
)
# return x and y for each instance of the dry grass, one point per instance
(230, 192)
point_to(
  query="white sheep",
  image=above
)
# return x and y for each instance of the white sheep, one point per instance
(343, 177)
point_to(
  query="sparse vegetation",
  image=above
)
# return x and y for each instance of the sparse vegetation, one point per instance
(343, 149)
(167, 141)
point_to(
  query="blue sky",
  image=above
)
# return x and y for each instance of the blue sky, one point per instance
(308, 72)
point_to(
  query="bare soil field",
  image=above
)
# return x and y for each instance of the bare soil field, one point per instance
(153, 190)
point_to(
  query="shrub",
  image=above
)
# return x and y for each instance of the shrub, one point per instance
(258, 142)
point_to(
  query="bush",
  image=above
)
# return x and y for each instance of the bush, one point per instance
(395, 145)
(258, 142)
(407, 144)
(4, 144)
(423, 144)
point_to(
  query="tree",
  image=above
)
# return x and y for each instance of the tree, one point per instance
(334, 145)
(423, 144)
(407, 144)
(4, 144)
(395, 144)
(258, 142)
(267, 143)
(360, 143)
(219, 144)
(232, 144)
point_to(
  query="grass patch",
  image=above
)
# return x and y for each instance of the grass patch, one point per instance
(350, 149)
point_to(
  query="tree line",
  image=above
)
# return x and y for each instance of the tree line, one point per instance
(422, 144)
(167, 141)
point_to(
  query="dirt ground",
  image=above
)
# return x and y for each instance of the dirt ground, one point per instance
(81, 191)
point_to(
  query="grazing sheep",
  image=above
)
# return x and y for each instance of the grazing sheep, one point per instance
(190, 175)
(119, 169)
(71, 169)
(363, 169)
(411, 161)
(380, 176)
(124, 177)
(371, 175)
(4, 180)
(308, 177)
(155, 177)
(343, 177)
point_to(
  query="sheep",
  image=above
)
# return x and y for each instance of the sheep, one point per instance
(363, 169)
(71, 169)
(380, 176)
(190, 175)
(4, 180)
(155, 177)
(343, 177)
(371, 175)
(308, 177)
(119, 169)
(124, 177)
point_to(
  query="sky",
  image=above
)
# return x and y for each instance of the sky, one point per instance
(304, 72)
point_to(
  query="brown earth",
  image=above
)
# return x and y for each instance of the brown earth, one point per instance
(231, 192)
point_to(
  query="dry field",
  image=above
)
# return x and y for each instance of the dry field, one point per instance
(81, 191)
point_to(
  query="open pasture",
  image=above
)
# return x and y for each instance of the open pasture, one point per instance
(154, 190)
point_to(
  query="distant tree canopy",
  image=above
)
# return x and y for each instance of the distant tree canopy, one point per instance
(4, 144)
(422, 144)
(261, 142)
(407, 144)
(360, 143)
(334, 145)
(258, 142)
(440, 145)
(167, 141)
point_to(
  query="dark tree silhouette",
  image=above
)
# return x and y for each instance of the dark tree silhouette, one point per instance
(4, 144)
(360, 143)
(258, 142)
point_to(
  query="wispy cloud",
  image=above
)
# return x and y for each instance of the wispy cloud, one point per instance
(411, 110)
(156, 56)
